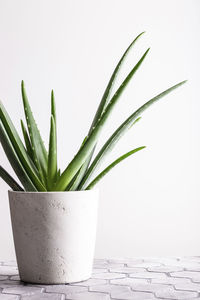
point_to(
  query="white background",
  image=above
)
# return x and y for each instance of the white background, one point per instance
(150, 204)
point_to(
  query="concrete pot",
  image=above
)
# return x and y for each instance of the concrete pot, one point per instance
(54, 235)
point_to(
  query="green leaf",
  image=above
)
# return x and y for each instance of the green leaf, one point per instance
(84, 170)
(84, 152)
(52, 174)
(19, 149)
(53, 106)
(58, 174)
(52, 158)
(9, 180)
(108, 89)
(110, 143)
(27, 141)
(72, 186)
(73, 183)
(108, 146)
(39, 151)
(15, 162)
(112, 165)
(101, 108)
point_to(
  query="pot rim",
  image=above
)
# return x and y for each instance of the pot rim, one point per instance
(54, 192)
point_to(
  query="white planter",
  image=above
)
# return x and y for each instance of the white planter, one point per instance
(54, 235)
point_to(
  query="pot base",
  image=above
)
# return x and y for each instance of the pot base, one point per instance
(54, 283)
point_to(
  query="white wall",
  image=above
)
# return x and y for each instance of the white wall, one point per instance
(150, 204)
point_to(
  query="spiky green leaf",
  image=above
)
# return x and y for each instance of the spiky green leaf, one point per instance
(73, 185)
(39, 151)
(83, 153)
(14, 161)
(111, 82)
(10, 180)
(19, 148)
(101, 108)
(52, 157)
(112, 165)
(53, 106)
(110, 143)
(27, 141)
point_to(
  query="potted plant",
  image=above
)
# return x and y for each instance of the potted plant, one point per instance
(54, 213)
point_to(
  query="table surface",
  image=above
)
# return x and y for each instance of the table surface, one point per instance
(133, 279)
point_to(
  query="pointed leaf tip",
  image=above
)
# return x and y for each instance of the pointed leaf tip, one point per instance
(147, 50)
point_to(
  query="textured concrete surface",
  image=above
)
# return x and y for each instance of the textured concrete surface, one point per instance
(119, 279)
(57, 230)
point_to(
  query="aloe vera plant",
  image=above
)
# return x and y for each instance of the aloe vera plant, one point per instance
(36, 168)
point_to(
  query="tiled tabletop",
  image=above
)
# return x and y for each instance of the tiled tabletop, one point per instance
(125, 279)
